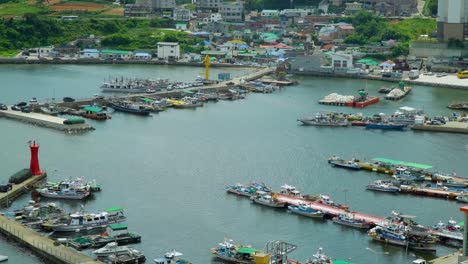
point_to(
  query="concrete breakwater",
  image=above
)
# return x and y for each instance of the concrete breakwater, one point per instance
(379, 78)
(7, 198)
(42, 246)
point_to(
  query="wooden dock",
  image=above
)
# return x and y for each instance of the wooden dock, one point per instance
(42, 246)
(44, 121)
(18, 189)
(449, 127)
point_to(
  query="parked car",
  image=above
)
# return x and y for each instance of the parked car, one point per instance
(230, 83)
(21, 104)
(16, 108)
(3, 107)
(26, 109)
(68, 99)
(5, 187)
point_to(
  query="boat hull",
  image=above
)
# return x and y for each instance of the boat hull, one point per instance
(379, 189)
(231, 259)
(129, 110)
(239, 193)
(351, 224)
(274, 205)
(115, 90)
(385, 127)
(314, 123)
(68, 228)
(308, 214)
(344, 165)
(58, 196)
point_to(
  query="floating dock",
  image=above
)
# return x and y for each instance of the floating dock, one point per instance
(43, 246)
(449, 127)
(368, 101)
(431, 192)
(44, 121)
(328, 209)
(7, 198)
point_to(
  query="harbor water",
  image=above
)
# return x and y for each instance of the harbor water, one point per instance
(170, 170)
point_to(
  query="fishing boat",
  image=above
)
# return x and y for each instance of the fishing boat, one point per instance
(398, 235)
(110, 249)
(241, 190)
(385, 89)
(229, 252)
(320, 258)
(449, 182)
(463, 197)
(36, 213)
(128, 107)
(259, 186)
(305, 210)
(407, 115)
(348, 219)
(347, 164)
(3, 258)
(458, 106)
(95, 113)
(321, 119)
(403, 174)
(188, 102)
(172, 257)
(76, 184)
(386, 126)
(290, 191)
(72, 194)
(116, 233)
(326, 200)
(131, 256)
(383, 186)
(50, 110)
(81, 221)
(451, 227)
(266, 199)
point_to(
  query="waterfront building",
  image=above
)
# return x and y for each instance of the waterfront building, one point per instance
(142, 56)
(89, 53)
(269, 13)
(353, 7)
(232, 11)
(168, 50)
(115, 54)
(138, 10)
(452, 19)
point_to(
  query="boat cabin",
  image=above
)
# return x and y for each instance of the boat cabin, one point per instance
(80, 219)
(116, 214)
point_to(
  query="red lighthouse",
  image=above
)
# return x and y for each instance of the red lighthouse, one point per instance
(34, 165)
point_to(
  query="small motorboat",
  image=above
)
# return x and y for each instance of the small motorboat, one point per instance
(305, 210)
(3, 258)
(110, 249)
(383, 186)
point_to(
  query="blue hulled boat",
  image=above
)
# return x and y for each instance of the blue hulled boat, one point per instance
(130, 108)
(386, 126)
(306, 210)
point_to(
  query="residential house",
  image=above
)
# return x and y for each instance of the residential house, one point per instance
(213, 17)
(45, 51)
(141, 55)
(168, 51)
(307, 63)
(353, 7)
(66, 50)
(182, 15)
(341, 60)
(138, 10)
(116, 54)
(269, 13)
(232, 11)
(89, 53)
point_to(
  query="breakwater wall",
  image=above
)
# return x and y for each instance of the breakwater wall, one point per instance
(42, 246)
(379, 78)
(7, 198)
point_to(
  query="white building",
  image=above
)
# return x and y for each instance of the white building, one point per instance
(452, 19)
(209, 4)
(340, 60)
(163, 4)
(269, 13)
(214, 17)
(89, 53)
(168, 51)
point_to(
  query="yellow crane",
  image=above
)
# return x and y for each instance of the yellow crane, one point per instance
(206, 61)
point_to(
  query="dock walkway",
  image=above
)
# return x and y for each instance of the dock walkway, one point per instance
(44, 120)
(7, 198)
(41, 245)
(329, 209)
(449, 127)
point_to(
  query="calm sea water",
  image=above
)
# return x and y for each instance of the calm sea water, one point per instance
(169, 170)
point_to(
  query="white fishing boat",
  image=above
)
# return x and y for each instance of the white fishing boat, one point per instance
(3, 258)
(63, 194)
(110, 249)
(268, 200)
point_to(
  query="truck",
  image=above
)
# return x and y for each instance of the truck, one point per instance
(413, 74)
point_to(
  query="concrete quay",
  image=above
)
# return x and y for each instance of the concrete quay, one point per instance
(17, 189)
(449, 127)
(44, 121)
(42, 246)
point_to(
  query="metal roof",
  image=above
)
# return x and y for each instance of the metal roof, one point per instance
(93, 109)
(404, 163)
